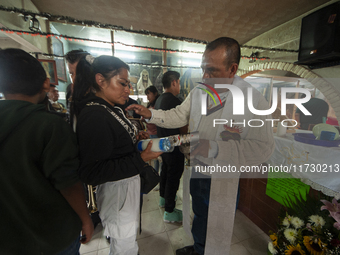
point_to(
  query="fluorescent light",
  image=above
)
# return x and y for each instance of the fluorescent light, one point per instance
(191, 55)
(117, 54)
(101, 52)
(189, 63)
(118, 46)
(99, 45)
(124, 55)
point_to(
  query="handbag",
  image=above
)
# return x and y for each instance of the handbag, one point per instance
(149, 178)
(148, 175)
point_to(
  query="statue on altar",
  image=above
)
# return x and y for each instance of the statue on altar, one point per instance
(143, 82)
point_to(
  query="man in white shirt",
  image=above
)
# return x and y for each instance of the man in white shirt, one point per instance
(232, 144)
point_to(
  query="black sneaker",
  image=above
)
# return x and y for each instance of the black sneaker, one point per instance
(188, 250)
(108, 239)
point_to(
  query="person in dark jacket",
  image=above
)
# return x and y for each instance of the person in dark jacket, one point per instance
(108, 153)
(173, 162)
(43, 205)
(72, 58)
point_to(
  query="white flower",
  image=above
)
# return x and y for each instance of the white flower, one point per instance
(290, 234)
(297, 222)
(317, 220)
(271, 248)
(285, 222)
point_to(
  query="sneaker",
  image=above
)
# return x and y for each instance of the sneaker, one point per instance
(188, 250)
(108, 239)
(175, 216)
(162, 201)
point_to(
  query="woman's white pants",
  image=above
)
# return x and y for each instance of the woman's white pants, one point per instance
(119, 208)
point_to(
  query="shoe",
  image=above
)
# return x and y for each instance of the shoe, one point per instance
(188, 250)
(162, 201)
(108, 239)
(175, 216)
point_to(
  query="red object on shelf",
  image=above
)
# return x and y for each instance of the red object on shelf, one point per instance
(332, 121)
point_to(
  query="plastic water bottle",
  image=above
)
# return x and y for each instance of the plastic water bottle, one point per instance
(164, 144)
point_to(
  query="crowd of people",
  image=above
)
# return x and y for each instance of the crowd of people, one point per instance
(48, 161)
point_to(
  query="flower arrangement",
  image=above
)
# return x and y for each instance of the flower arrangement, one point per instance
(310, 227)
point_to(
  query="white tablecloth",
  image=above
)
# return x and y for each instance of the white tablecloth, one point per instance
(316, 166)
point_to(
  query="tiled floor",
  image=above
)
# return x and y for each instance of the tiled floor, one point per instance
(163, 238)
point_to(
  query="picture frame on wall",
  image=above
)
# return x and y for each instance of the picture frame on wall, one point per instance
(58, 49)
(51, 70)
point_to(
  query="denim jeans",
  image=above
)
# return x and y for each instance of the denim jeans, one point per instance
(200, 193)
(73, 249)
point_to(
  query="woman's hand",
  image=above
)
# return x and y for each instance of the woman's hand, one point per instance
(147, 154)
(142, 135)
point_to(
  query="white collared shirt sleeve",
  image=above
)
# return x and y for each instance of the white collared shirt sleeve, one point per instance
(175, 118)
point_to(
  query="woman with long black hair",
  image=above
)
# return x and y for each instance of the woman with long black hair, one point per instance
(108, 155)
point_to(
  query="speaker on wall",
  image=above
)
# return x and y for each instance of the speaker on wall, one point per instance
(320, 36)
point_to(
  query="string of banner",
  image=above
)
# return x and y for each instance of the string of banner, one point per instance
(129, 63)
(52, 17)
(79, 39)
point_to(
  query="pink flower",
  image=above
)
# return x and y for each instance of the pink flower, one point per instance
(333, 207)
(334, 210)
(337, 225)
(336, 217)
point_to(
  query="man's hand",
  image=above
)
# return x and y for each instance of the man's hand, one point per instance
(75, 196)
(142, 135)
(140, 109)
(87, 231)
(202, 149)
